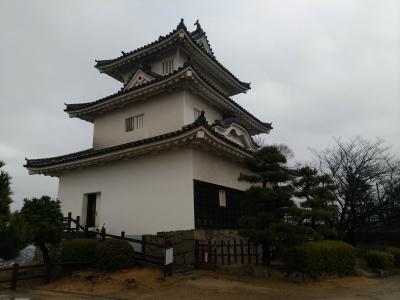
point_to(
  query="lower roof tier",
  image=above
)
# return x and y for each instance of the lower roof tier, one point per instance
(198, 134)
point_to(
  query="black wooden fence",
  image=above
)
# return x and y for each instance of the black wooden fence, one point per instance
(10, 276)
(209, 254)
(151, 253)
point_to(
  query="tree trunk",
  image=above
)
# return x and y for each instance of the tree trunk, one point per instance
(45, 253)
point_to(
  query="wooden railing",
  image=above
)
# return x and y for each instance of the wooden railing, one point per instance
(73, 225)
(19, 272)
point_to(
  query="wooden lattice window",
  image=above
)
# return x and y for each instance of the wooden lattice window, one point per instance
(134, 123)
(168, 66)
(207, 209)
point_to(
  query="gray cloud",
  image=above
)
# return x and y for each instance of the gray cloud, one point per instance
(319, 69)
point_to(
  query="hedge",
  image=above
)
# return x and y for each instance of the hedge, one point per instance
(396, 253)
(78, 250)
(380, 260)
(317, 258)
(363, 250)
(114, 254)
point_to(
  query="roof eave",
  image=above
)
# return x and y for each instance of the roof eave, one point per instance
(187, 72)
(197, 136)
(109, 66)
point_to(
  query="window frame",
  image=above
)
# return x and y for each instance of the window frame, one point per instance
(168, 66)
(221, 198)
(134, 123)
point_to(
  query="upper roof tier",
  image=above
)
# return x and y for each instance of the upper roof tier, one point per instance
(194, 44)
(187, 77)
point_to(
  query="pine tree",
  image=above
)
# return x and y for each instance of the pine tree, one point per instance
(5, 192)
(44, 217)
(270, 215)
(14, 235)
(317, 192)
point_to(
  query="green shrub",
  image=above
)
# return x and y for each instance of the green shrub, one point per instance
(316, 258)
(114, 254)
(396, 253)
(328, 233)
(380, 260)
(78, 250)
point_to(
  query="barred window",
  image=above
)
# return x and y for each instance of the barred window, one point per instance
(222, 198)
(168, 66)
(134, 123)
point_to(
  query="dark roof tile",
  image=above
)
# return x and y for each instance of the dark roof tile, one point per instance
(200, 122)
(181, 25)
(189, 63)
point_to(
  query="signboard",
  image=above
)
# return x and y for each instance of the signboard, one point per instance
(169, 256)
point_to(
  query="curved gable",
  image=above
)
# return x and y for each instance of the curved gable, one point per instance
(237, 134)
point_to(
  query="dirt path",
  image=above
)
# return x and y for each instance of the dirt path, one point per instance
(232, 288)
(210, 285)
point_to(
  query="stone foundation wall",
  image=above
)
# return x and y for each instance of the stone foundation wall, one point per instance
(183, 242)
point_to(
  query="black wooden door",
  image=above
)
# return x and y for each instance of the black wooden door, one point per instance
(91, 210)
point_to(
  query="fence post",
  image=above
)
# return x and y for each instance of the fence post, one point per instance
(209, 251)
(196, 253)
(222, 252)
(69, 221)
(235, 250)
(78, 221)
(228, 244)
(47, 274)
(241, 251)
(14, 277)
(122, 234)
(256, 252)
(143, 246)
(103, 233)
(215, 255)
(249, 251)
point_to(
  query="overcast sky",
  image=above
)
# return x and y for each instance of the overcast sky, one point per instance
(318, 69)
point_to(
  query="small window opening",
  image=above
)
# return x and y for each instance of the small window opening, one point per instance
(168, 66)
(222, 198)
(134, 123)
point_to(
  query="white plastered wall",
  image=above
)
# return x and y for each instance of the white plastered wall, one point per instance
(162, 114)
(178, 57)
(143, 195)
(194, 101)
(147, 194)
(219, 170)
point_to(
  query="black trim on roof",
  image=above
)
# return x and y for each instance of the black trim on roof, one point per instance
(78, 106)
(181, 25)
(199, 33)
(200, 122)
(187, 64)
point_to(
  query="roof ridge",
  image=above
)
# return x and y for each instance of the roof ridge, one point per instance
(101, 62)
(180, 26)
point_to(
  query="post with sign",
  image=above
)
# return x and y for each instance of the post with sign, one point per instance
(168, 257)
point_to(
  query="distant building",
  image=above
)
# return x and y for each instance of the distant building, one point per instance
(167, 148)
